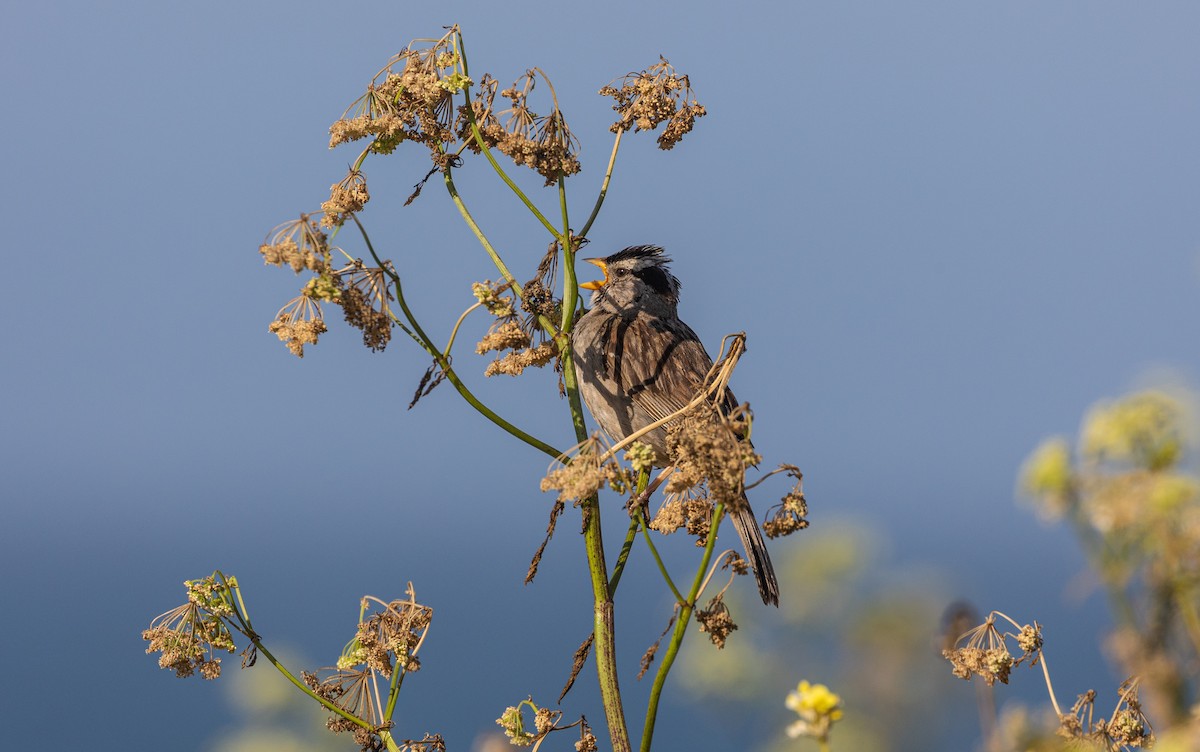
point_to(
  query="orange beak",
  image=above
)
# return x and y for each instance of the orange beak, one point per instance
(597, 284)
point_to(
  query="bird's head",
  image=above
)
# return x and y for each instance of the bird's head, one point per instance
(637, 277)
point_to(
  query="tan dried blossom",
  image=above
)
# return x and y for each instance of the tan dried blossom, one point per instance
(514, 364)
(733, 560)
(364, 298)
(391, 637)
(716, 621)
(578, 477)
(299, 244)
(791, 513)
(1127, 728)
(543, 143)
(513, 724)
(648, 98)
(986, 653)
(189, 635)
(490, 296)
(506, 334)
(299, 323)
(707, 448)
(587, 740)
(345, 198)
(409, 99)
(693, 513)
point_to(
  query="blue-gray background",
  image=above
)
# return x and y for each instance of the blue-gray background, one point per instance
(948, 228)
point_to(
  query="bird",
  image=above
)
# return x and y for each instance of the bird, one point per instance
(638, 363)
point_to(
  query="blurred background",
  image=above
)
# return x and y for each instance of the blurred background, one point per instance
(948, 229)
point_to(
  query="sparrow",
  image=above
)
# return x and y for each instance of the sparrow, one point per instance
(638, 363)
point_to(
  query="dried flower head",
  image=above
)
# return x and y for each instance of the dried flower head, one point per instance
(691, 512)
(389, 637)
(189, 635)
(511, 720)
(716, 621)
(505, 334)
(579, 476)
(299, 323)
(656, 95)
(707, 448)
(346, 197)
(299, 244)
(409, 99)
(543, 143)
(364, 295)
(491, 296)
(986, 653)
(515, 363)
(791, 514)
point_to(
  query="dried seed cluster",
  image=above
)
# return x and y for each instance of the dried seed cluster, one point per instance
(543, 143)
(716, 621)
(656, 95)
(410, 99)
(189, 635)
(583, 474)
(986, 653)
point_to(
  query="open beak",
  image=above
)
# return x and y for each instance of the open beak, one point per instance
(597, 284)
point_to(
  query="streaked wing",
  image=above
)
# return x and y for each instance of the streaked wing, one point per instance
(660, 369)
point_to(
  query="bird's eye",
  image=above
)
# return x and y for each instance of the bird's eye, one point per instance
(621, 272)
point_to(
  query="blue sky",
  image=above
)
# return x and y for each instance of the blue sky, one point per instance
(947, 229)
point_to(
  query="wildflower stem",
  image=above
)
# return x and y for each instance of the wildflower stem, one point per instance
(662, 568)
(685, 615)
(612, 161)
(1049, 685)
(487, 152)
(630, 534)
(443, 362)
(487, 246)
(243, 625)
(622, 557)
(457, 324)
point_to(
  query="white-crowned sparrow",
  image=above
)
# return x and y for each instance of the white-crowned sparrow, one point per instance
(638, 363)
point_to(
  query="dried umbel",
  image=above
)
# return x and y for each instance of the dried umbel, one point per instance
(708, 448)
(1126, 728)
(410, 99)
(984, 652)
(716, 621)
(584, 473)
(656, 95)
(364, 296)
(346, 197)
(299, 323)
(189, 635)
(543, 143)
(791, 514)
(299, 244)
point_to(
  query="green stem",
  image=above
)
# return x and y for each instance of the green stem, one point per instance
(626, 547)
(612, 160)
(685, 615)
(443, 362)
(243, 626)
(477, 135)
(658, 559)
(547, 325)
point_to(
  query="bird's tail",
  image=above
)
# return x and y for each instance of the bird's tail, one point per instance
(756, 552)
